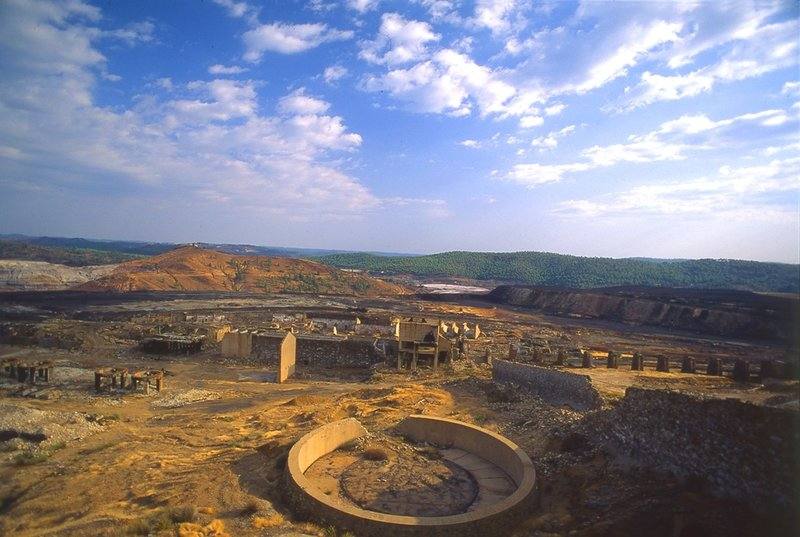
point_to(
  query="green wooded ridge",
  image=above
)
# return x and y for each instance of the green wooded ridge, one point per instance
(549, 269)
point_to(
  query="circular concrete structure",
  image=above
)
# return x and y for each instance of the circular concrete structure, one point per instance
(492, 460)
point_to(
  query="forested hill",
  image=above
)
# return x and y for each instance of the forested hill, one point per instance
(542, 268)
(75, 257)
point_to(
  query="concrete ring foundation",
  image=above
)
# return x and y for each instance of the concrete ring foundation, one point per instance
(478, 450)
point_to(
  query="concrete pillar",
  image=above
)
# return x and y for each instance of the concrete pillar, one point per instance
(612, 361)
(741, 370)
(637, 362)
(766, 369)
(588, 362)
(688, 365)
(97, 381)
(714, 367)
(662, 364)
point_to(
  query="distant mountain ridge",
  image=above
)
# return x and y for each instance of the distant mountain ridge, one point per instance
(559, 270)
(141, 248)
(530, 268)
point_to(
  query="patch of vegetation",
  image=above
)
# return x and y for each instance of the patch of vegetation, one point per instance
(270, 521)
(549, 269)
(331, 531)
(183, 513)
(239, 271)
(162, 520)
(31, 457)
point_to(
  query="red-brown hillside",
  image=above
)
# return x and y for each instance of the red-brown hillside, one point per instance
(194, 269)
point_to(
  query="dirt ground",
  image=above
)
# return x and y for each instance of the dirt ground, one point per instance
(205, 456)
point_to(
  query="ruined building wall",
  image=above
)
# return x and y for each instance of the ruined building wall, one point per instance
(324, 351)
(266, 349)
(741, 450)
(217, 333)
(310, 350)
(238, 344)
(553, 385)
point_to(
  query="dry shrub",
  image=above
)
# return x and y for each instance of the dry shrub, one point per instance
(215, 528)
(309, 528)
(140, 526)
(375, 453)
(270, 521)
(184, 513)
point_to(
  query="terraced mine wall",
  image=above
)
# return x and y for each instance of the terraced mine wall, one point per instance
(333, 351)
(737, 314)
(553, 385)
(739, 450)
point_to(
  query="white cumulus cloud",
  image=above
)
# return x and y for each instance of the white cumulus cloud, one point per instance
(289, 38)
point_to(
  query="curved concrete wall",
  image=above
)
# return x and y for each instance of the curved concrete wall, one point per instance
(481, 442)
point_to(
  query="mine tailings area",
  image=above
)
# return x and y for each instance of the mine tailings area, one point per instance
(726, 313)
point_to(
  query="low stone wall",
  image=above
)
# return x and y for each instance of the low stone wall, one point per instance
(553, 385)
(743, 451)
(333, 351)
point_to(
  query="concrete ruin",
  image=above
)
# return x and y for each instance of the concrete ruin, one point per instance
(113, 378)
(270, 348)
(30, 372)
(480, 452)
(172, 344)
(277, 349)
(422, 340)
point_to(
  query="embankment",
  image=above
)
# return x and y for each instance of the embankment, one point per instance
(739, 314)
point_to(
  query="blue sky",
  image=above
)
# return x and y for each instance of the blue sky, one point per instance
(658, 129)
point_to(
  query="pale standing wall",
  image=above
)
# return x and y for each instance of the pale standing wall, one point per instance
(287, 358)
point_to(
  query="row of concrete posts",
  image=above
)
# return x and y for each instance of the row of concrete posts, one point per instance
(714, 367)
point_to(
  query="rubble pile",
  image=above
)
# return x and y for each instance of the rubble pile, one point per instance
(741, 450)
